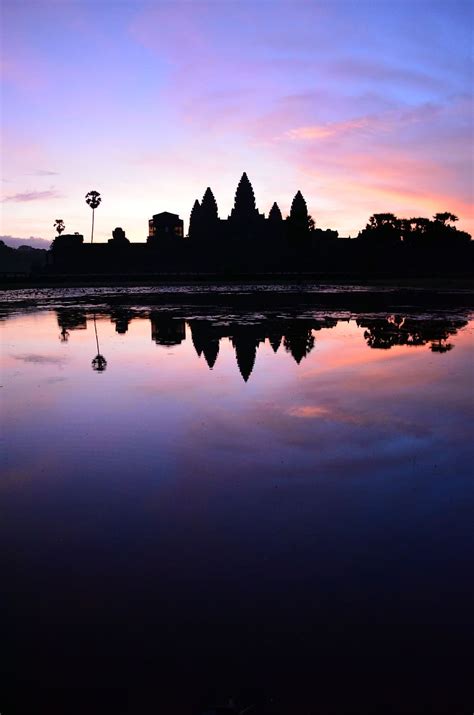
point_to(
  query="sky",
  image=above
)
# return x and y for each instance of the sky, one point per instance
(364, 106)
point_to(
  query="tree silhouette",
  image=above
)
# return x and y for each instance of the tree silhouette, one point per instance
(445, 216)
(59, 226)
(299, 340)
(93, 198)
(383, 227)
(414, 229)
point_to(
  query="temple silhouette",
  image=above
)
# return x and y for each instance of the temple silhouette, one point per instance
(248, 242)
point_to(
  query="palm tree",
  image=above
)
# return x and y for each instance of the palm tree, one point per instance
(93, 199)
(59, 226)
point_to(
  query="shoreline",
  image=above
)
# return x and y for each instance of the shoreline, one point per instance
(11, 281)
(249, 297)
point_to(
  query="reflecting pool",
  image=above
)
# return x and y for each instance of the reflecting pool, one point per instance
(202, 503)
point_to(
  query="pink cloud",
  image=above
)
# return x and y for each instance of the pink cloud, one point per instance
(33, 196)
(324, 131)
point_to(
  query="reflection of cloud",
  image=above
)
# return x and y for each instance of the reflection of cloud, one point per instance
(41, 359)
(308, 411)
(376, 420)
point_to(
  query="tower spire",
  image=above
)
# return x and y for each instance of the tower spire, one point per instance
(244, 204)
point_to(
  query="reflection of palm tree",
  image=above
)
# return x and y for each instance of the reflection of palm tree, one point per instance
(93, 199)
(99, 363)
(64, 335)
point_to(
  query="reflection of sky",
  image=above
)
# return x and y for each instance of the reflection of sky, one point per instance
(168, 505)
(363, 106)
(344, 408)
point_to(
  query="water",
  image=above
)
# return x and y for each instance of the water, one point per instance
(273, 505)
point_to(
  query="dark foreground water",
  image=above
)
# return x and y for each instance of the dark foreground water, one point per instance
(199, 504)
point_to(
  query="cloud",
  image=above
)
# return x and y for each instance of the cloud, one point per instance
(42, 172)
(370, 70)
(323, 131)
(33, 196)
(33, 241)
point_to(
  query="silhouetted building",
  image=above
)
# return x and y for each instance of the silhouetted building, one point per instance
(274, 215)
(299, 223)
(165, 225)
(248, 243)
(208, 212)
(67, 241)
(205, 219)
(118, 237)
(244, 210)
(194, 220)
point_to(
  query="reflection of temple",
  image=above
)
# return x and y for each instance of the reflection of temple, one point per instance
(296, 333)
(246, 337)
(245, 340)
(122, 319)
(70, 320)
(167, 329)
(205, 337)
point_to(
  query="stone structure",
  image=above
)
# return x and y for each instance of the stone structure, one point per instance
(164, 225)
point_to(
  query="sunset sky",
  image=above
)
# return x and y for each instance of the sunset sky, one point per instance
(364, 106)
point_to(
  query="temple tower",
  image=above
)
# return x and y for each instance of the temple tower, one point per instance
(244, 204)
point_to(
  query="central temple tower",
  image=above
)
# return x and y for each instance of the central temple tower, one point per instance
(244, 204)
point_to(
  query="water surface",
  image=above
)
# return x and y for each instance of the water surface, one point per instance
(207, 502)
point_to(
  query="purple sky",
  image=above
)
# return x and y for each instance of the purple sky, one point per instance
(364, 106)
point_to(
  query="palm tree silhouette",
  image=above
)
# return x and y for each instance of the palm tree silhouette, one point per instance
(99, 363)
(93, 199)
(59, 226)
